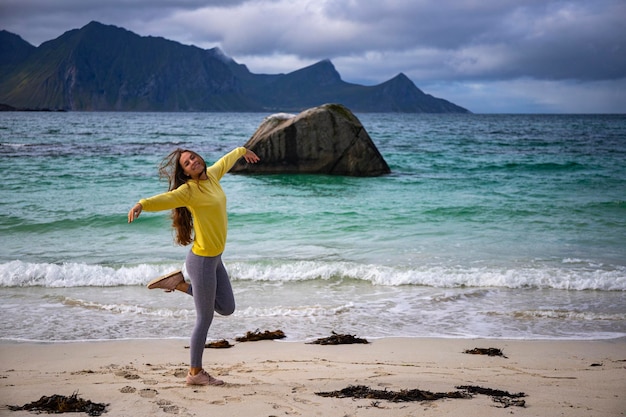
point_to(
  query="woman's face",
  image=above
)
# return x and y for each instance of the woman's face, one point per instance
(192, 164)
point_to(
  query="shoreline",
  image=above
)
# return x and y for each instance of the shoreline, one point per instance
(616, 337)
(270, 378)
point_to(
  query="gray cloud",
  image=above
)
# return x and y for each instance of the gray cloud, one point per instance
(521, 49)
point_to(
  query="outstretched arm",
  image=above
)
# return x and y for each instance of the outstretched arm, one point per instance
(166, 201)
(226, 162)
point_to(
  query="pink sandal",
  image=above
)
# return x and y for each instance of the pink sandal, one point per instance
(167, 282)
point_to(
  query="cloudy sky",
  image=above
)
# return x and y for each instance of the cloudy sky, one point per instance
(490, 56)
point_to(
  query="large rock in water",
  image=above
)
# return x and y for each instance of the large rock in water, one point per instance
(323, 140)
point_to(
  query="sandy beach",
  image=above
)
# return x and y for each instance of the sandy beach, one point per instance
(272, 378)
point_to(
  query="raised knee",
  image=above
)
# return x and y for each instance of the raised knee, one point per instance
(225, 311)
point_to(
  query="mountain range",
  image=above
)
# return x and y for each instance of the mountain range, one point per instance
(106, 68)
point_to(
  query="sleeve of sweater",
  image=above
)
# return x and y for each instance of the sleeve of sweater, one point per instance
(225, 163)
(167, 201)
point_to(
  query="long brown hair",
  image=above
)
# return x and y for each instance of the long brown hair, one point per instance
(182, 221)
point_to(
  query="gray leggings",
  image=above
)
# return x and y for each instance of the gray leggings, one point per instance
(211, 291)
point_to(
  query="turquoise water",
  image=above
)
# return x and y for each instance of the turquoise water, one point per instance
(489, 226)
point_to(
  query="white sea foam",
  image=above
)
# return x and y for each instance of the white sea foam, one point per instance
(438, 276)
(299, 312)
(14, 145)
(25, 274)
(314, 308)
(568, 315)
(126, 308)
(28, 274)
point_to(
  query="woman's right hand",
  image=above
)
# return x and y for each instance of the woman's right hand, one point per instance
(134, 212)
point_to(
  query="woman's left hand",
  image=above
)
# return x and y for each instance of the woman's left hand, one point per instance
(251, 157)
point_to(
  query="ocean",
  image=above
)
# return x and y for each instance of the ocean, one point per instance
(489, 226)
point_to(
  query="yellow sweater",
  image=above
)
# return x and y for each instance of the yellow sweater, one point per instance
(206, 201)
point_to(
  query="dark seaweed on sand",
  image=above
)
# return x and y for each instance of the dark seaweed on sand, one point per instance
(504, 398)
(220, 344)
(491, 392)
(486, 351)
(62, 404)
(338, 339)
(257, 335)
(362, 391)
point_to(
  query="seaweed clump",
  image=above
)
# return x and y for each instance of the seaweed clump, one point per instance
(486, 351)
(62, 404)
(257, 335)
(338, 339)
(505, 398)
(362, 391)
(219, 344)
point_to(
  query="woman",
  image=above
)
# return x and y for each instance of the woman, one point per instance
(199, 217)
